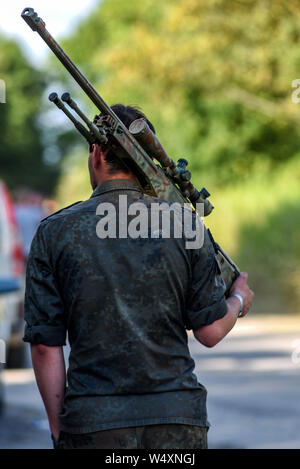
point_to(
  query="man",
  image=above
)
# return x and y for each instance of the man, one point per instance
(126, 304)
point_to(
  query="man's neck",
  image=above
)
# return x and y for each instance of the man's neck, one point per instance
(119, 175)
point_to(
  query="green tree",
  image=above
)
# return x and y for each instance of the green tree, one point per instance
(214, 76)
(21, 147)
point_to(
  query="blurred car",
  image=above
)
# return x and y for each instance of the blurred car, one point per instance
(12, 267)
(7, 287)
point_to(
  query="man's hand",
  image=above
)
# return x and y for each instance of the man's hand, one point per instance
(241, 287)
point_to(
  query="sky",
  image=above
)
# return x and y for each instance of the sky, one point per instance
(60, 17)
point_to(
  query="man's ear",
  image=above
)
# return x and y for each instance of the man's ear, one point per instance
(97, 156)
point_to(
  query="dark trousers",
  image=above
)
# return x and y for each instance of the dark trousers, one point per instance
(168, 436)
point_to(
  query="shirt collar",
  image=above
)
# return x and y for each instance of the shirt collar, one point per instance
(116, 185)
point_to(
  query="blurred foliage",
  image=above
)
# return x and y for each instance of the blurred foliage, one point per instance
(258, 223)
(74, 184)
(214, 76)
(21, 148)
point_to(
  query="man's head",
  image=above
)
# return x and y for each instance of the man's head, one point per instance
(103, 162)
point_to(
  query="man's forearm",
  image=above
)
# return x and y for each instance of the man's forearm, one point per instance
(50, 373)
(228, 321)
(213, 333)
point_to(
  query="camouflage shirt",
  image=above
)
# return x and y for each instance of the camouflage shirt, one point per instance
(126, 305)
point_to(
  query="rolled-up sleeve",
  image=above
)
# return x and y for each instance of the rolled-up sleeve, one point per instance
(44, 309)
(206, 301)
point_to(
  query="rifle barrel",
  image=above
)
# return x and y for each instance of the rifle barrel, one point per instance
(67, 99)
(38, 25)
(53, 97)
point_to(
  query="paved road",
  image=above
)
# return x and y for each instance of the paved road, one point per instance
(252, 379)
(253, 383)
